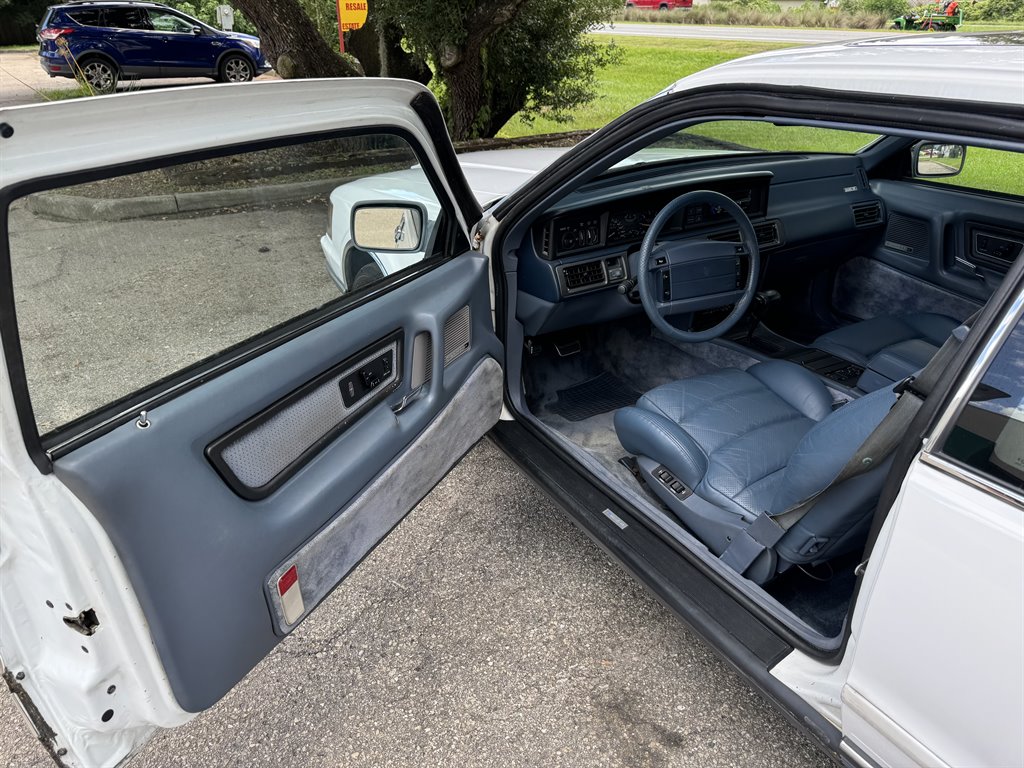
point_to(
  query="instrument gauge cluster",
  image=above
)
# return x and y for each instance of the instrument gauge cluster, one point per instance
(626, 221)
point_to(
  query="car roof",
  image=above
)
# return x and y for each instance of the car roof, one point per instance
(985, 67)
(108, 3)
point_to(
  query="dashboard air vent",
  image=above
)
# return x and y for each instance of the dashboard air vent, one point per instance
(767, 234)
(867, 214)
(907, 235)
(580, 276)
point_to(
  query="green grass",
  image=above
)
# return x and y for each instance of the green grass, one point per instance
(646, 67)
(992, 170)
(62, 94)
(991, 26)
(18, 48)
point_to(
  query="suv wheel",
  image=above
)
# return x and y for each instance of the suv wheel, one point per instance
(100, 74)
(235, 69)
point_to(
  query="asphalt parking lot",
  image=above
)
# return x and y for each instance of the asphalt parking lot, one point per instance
(486, 630)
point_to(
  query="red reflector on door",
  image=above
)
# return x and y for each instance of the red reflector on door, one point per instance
(288, 580)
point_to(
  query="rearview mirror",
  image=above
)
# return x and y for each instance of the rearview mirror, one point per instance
(931, 160)
(388, 227)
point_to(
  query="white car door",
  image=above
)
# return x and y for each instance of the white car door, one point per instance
(938, 669)
(199, 436)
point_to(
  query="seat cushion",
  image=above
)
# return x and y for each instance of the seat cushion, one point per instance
(729, 434)
(889, 347)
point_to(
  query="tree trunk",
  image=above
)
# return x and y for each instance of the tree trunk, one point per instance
(465, 98)
(381, 55)
(291, 42)
(465, 76)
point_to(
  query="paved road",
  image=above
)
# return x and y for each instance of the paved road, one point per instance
(485, 631)
(752, 34)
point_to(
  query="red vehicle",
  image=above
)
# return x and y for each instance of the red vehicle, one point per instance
(661, 5)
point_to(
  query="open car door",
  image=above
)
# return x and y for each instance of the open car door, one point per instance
(201, 436)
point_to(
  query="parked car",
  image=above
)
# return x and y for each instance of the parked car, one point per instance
(754, 338)
(491, 176)
(112, 41)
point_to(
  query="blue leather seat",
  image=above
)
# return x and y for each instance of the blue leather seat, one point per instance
(889, 347)
(760, 441)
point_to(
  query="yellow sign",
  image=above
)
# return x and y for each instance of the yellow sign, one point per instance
(351, 14)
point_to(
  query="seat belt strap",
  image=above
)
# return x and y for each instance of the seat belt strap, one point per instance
(884, 438)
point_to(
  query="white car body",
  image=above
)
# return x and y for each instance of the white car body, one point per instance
(933, 672)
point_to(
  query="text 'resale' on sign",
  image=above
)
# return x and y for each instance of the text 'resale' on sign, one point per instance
(351, 16)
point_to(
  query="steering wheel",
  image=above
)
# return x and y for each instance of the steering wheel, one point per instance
(680, 277)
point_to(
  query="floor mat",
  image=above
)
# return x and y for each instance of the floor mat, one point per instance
(601, 394)
(821, 603)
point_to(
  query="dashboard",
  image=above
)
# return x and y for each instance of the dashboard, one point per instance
(811, 214)
(625, 222)
(573, 256)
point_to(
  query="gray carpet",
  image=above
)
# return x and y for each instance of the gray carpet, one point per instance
(632, 356)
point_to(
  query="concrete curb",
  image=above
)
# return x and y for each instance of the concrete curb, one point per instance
(61, 207)
(77, 208)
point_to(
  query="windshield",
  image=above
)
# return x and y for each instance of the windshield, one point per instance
(727, 137)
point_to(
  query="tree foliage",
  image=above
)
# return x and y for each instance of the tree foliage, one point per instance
(496, 58)
(206, 10)
(18, 20)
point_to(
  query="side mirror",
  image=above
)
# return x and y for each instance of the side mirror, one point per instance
(396, 227)
(197, 30)
(931, 160)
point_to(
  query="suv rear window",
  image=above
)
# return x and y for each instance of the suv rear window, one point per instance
(127, 18)
(87, 17)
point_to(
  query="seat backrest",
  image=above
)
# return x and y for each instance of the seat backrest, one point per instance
(828, 446)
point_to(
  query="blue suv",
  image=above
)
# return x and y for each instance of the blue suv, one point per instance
(111, 41)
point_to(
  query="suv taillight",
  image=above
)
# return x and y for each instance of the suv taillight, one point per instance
(52, 33)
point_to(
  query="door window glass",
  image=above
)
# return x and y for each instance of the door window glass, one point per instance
(168, 22)
(987, 170)
(989, 433)
(124, 281)
(126, 18)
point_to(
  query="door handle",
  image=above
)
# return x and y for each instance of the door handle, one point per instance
(408, 400)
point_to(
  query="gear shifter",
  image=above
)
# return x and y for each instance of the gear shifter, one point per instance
(762, 300)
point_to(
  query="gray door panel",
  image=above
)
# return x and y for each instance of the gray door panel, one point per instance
(199, 554)
(929, 241)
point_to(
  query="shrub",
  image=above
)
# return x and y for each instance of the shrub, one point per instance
(995, 10)
(888, 8)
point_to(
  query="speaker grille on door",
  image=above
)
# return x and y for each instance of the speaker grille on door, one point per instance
(907, 235)
(456, 336)
(256, 457)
